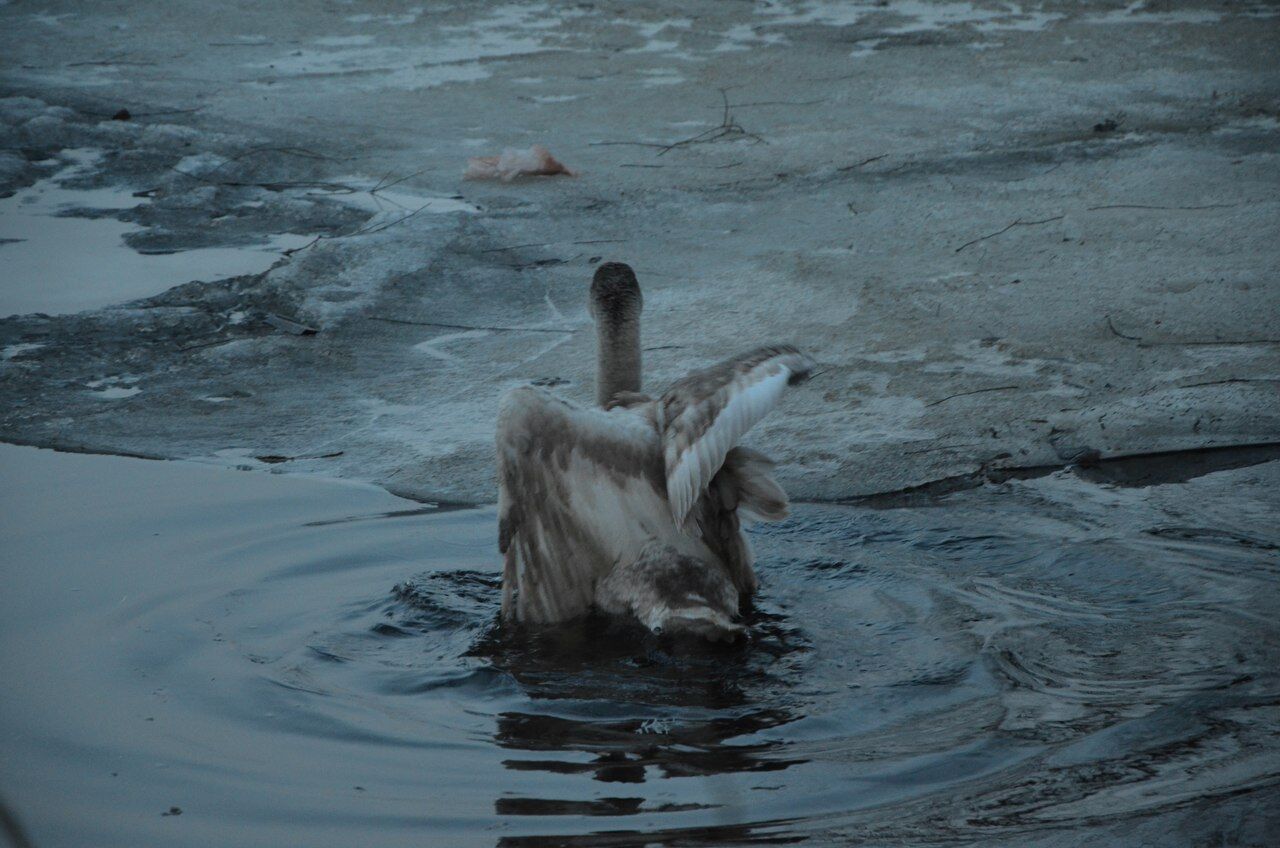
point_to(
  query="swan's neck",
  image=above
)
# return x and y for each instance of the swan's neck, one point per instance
(617, 358)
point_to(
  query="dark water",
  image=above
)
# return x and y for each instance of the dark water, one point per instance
(288, 664)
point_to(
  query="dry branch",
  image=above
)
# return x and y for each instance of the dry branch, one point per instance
(867, 161)
(1145, 206)
(974, 392)
(1017, 223)
(549, 243)
(1143, 342)
(465, 326)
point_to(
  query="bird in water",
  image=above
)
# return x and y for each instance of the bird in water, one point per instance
(635, 506)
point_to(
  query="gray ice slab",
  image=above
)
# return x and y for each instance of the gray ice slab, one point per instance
(1011, 242)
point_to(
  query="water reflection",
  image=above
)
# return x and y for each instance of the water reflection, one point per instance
(764, 833)
(894, 657)
(599, 657)
(625, 751)
(1042, 658)
(609, 703)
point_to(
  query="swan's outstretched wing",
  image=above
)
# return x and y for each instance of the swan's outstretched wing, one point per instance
(743, 487)
(705, 413)
(578, 489)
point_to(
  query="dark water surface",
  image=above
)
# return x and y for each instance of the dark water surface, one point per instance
(299, 662)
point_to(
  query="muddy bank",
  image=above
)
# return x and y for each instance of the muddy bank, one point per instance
(1012, 245)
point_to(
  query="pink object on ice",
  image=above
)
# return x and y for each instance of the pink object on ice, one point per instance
(537, 161)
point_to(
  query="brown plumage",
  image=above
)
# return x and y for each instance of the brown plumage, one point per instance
(636, 506)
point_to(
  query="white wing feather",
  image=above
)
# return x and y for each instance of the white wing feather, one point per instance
(733, 396)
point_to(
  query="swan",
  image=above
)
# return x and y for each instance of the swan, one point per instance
(635, 506)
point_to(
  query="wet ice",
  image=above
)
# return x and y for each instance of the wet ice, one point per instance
(63, 251)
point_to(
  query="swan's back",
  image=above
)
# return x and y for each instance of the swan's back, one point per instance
(578, 490)
(636, 508)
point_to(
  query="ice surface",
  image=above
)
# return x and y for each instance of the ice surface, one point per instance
(60, 261)
(117, 392)
(995, 282)
(454, 54)
(921, 15)
(15, 350)
(394, 200)
(915, 192)
(1138, 12)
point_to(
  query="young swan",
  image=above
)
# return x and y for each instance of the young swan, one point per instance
(615, 305)
(635, 508)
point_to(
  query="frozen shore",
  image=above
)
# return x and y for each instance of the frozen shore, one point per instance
(1018, 235)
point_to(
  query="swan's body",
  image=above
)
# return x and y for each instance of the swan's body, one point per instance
(635, 508)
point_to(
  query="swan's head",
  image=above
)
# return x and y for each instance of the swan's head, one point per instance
(615, 295)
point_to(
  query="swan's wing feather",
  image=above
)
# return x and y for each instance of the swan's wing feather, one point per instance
(562, 471)
(707, 412)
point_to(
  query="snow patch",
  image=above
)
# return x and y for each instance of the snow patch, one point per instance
(1136, 13)
(661, 76)
(15, 350)
(746, 37)
(116, 392)
(389, 19)
(923, 15)
(554, 98)
(866, 47)
(114, 388)
(452, 55)
(50, 20)
(344, 40)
